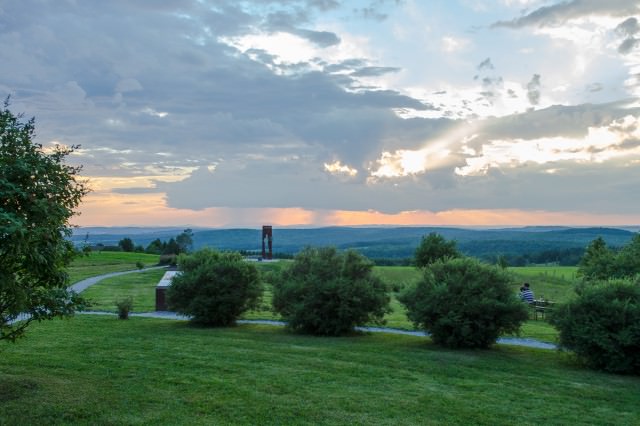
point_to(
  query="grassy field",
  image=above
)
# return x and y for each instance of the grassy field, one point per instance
(100, 370)
(139, 286)
(98, 263)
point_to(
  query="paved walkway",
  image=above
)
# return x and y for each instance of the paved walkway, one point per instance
(88, 282)
(84, 284)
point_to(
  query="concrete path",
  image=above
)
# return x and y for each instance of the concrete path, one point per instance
(88, 282)
(530, 343)
(84, 284)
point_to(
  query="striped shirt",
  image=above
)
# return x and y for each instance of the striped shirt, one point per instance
(527, 296)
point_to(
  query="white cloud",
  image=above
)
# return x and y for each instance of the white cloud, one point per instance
(338, 168)
(601, 144)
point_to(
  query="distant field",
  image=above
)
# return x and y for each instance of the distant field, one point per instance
(101, 370)
(554, 283)
(98, 263)
(564, 272)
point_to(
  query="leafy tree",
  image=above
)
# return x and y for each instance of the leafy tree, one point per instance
(627, 262)
(185, 241)
(38, 195)
(602, 325)
(214, 288)
(155, 247)
(597, 262)
(464, 303)
(327, 292)
(171, 247)
(126, 244)
(434, 247)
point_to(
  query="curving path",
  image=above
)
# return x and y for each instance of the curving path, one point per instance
(88, 282)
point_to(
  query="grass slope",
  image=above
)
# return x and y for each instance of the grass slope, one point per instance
(100, 370)
(141, 287)
(98, 263)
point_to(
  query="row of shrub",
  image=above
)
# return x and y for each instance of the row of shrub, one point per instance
(459, 301)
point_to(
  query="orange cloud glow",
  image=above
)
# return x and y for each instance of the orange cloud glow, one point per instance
(109, 209)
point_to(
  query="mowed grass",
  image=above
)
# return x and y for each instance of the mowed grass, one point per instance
(140, 286)
(555, 283)
(98, 263)
(100, 370)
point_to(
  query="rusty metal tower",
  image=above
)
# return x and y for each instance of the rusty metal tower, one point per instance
(267, 242)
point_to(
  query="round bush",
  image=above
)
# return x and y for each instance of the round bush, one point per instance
(214, 288)
(329, 293)
(602, 325)
(463, 303)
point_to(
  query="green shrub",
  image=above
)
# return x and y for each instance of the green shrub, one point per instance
(168, 259)
(214, 288)
(329, 293)
(463, 303)
(602, 325)
(124, 306)
(139, 265)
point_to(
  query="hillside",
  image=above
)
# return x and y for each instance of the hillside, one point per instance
(519, 245)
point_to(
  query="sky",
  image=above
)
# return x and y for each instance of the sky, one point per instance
(221, 113)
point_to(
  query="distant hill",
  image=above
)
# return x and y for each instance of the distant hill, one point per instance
(523, 245)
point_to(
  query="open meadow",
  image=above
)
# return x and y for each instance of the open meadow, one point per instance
(98, 263)
(96, 369)
(100, 370)
(553, 283)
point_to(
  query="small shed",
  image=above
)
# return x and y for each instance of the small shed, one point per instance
(161, 290)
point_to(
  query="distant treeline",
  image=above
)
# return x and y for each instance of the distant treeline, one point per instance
(384, 246)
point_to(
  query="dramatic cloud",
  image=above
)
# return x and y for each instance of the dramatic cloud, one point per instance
(319, 110)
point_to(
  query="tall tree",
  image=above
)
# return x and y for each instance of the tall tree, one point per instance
(126, 244)
(38, 195)
(435, 247)
(185, 240)
(597, 262)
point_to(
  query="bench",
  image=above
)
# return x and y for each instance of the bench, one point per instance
(540, 307)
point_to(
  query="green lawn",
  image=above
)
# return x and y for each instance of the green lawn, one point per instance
(139, 286)
(98, 263)
(100, 370)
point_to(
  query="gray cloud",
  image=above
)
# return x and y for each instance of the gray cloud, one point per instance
(628, 45)
(485, 65)
(628, 27)
(563, 11)
(533, 90)
(375, 10)
(320, 38)
(374, 71)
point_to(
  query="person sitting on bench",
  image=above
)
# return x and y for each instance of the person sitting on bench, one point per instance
(526, 295)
